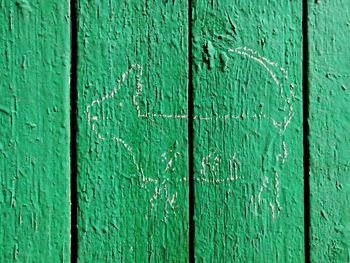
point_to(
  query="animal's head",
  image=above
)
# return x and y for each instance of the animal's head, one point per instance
(241, 84)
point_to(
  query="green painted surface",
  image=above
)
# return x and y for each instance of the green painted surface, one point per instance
(133, 131)
(132, 138)
(34, 133)
(329, 121)
(248, 131)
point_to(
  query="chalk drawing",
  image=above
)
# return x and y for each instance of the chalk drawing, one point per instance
(212, 162)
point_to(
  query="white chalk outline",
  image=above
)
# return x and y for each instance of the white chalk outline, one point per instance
(267, 64)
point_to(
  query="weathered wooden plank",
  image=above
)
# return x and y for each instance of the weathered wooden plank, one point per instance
(34, 134)
(132, 138)
(248, 131)
(329, 122)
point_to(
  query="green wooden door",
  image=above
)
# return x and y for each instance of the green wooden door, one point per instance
(174, 131)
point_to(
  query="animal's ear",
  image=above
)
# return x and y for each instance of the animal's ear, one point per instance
(118, 103)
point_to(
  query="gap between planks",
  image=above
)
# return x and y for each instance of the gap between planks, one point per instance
(73, 132)
(306, 144)
(191, 196)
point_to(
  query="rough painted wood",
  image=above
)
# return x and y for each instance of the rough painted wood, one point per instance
(132, 138)
(329, 121)
(248, 131)
(34, 134)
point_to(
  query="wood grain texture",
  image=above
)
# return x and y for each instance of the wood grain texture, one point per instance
(329, 121)
(34, 133)
(248, 131)
(132, 138)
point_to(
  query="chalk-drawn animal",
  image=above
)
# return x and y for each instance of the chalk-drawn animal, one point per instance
(114, 117)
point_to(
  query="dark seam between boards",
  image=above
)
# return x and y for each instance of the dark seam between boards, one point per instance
(73, 133)
(306, 131)
(191, 196)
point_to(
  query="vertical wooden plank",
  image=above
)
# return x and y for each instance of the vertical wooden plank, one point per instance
(132, 138)
(329, 122)
(34, 134)
(248, 131)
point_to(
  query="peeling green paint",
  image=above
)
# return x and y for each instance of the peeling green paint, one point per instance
(132, 139)
(329, 121)
(249, 151)
(34, 133)
(133, 144)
